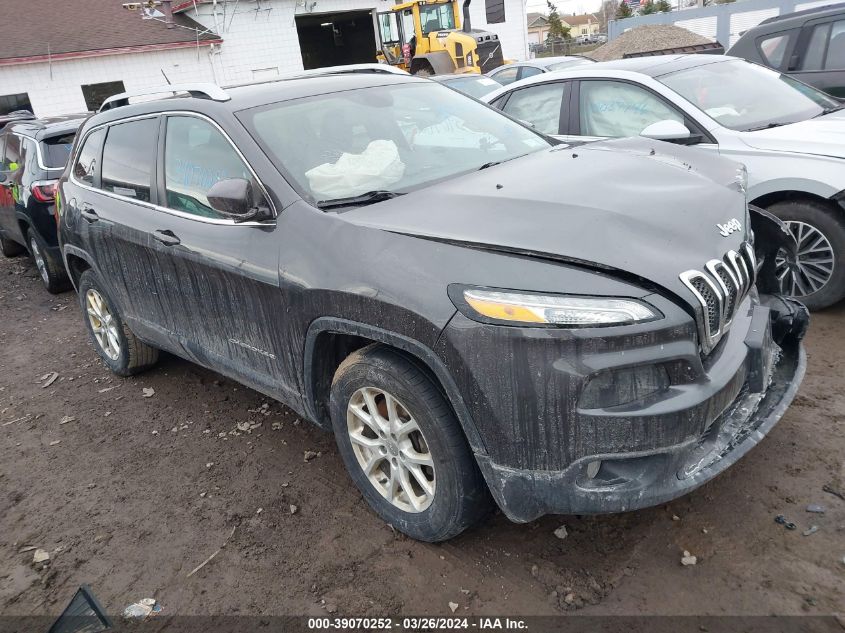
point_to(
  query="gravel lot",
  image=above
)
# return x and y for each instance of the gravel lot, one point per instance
(130, 493)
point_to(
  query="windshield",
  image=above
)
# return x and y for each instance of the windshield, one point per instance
(743, 96)
(474, 86)
(436, 17)
(386, 138)
(56, 150)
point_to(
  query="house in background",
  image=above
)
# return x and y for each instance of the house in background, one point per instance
(66, 56)
(538, 28)
(579, 25)
(586, 24)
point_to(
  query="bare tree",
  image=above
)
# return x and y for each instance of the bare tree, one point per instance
(607, 12)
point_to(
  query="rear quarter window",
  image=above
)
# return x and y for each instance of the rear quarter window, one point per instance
(773, 48)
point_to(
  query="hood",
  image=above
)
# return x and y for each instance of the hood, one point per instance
(642, 207)
(822, 136)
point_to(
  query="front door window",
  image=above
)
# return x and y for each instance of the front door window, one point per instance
(196, 156)
(616, 109)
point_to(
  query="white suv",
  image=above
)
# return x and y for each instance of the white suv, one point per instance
(791, 137)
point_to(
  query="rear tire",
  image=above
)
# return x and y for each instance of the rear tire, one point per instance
(821, 228)
(10, 248)
(52, 274)
(422, 477)
(117, 345)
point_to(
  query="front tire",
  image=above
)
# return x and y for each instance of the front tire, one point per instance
(54, 276)
(423, 70)
(117, 345)
(403, 446)
(817, 277)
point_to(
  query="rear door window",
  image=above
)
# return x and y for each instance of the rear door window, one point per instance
(506, 76)
(197, 155)
(85, 167)
(539, 106)
(826, 48)
(529, 71)
(128, 158)
(55, 151)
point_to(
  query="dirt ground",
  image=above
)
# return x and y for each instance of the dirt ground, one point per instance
(129, 493)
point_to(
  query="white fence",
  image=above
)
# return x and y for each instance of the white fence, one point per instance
(722, 22)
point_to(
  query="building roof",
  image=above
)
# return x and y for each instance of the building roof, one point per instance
(578, 20)
(38, 30)
(536, 19)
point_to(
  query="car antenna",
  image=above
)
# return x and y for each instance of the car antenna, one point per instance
(165, 77)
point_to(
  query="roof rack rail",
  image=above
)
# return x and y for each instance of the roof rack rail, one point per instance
(370, 67)
(205, 90)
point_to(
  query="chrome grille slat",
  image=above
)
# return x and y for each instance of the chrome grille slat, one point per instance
(751, 259)
(719, 290)
(729, 287)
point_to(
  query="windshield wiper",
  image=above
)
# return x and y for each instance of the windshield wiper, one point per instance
(492, 163)
(376, 195)
(769, 126)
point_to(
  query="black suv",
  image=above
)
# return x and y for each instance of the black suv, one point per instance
(471, 308)
(15, 115)
(33, 154)
(808, 45)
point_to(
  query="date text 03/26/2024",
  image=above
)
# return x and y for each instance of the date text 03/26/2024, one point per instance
(417, 624)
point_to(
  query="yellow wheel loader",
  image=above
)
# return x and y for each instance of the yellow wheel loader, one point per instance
(425, 37)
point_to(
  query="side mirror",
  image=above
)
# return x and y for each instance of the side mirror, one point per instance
(234, 198)
(666, 130)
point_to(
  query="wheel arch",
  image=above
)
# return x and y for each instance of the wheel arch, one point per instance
(330, 340)
(25, 224)
(789, 195)
(76, 263)
(440, 62)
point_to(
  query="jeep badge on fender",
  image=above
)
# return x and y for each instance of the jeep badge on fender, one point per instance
(729, 227)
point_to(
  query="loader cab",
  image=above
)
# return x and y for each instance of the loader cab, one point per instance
(405, 29)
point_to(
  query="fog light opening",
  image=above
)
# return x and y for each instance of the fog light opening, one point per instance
(593, 469)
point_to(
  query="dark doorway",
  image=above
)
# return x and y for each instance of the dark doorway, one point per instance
(95, 94)
(12, 103)
(336, 39)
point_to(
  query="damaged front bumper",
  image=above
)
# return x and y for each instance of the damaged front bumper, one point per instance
(765, 383)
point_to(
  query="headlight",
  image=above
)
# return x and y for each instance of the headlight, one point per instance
(516, 307)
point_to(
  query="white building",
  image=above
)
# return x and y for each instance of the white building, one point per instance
(68, 55)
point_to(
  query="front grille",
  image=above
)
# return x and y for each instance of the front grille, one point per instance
(719, 289)
(490, 54)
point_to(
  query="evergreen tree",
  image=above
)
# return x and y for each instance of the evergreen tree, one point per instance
(557, 31)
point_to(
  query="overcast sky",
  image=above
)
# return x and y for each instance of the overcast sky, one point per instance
(566, 7)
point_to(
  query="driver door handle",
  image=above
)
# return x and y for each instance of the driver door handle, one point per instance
(168, 238)
(89, 214)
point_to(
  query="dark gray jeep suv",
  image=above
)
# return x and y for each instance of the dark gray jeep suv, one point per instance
(471, 308)
(33, 154)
